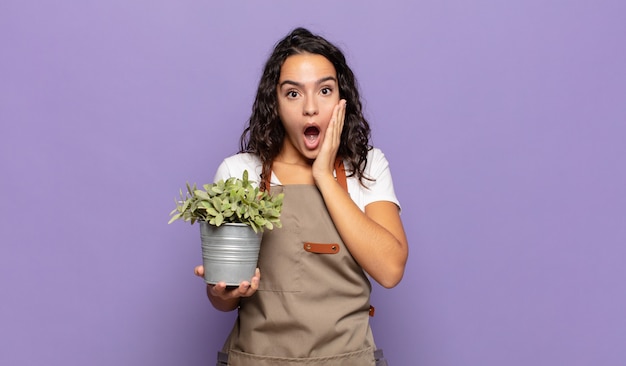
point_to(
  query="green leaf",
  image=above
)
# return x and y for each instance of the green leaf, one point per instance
(174, 218)
(260, 221)
(217, 203)
(202, 195)
(184, 206)
(254, 227)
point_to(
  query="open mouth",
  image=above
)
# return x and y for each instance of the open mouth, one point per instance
(311, 133)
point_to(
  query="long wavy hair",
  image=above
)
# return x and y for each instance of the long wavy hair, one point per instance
(265, 133)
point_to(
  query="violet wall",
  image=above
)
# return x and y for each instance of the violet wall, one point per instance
(504, 122)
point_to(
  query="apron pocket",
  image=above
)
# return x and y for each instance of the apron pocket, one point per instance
(359, 358)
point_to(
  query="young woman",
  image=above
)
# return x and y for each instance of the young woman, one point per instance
(308, 302)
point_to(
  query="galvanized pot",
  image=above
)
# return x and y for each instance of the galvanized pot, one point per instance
(230, 252)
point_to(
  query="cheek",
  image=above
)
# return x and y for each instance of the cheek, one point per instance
(289, 119)
(326, 112)
(285, 113)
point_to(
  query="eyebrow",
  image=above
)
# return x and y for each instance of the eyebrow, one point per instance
(295, 83)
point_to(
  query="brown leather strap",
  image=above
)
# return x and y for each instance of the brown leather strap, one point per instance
(340, 171)
(321, 248)
(266, 182)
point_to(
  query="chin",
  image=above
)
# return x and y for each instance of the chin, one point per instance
(311, 156)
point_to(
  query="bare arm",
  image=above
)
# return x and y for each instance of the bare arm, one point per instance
(376, 237)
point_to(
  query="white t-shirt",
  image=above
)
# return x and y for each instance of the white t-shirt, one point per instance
(377, 168)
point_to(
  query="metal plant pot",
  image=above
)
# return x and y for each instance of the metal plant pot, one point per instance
(230, 252)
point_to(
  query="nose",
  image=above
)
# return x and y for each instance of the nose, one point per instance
(310, 106)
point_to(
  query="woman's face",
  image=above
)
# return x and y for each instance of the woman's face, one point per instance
(307, 94)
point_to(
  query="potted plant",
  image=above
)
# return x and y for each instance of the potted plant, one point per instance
(232, 214)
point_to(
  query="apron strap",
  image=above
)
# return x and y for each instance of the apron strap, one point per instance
(340, 172)
(222, 358)
(380, 358)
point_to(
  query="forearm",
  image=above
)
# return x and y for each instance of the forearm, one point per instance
(220, 303)
(376, 241)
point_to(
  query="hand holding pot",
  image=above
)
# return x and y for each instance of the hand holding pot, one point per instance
(227, 298)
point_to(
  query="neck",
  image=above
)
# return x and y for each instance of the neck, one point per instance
(289, 155)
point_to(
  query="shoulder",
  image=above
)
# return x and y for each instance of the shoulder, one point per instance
(242, 159)
(234, 166)
(376, 168)
(376, 161)
(377, 183)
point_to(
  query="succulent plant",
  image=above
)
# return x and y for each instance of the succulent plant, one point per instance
(233, 200)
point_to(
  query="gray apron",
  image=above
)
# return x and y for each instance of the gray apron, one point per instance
(312, 306)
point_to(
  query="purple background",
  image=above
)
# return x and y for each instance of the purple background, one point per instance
(504, 122)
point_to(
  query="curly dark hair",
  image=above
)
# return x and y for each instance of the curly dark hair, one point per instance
(265, 133)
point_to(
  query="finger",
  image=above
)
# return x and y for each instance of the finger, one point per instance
(199, 271)
(331, 125)
(254, 282)
(339, 121)
(333, 128)
(342, 116)
(218, 289)
(242, 290)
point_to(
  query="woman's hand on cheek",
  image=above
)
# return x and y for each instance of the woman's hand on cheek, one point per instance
(325, 161)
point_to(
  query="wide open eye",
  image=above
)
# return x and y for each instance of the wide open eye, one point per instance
(292, 94)
(326, 91)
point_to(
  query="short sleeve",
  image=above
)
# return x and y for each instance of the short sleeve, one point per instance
(235, 165)
(380, 188)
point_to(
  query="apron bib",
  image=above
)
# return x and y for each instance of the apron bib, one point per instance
(312, 305)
